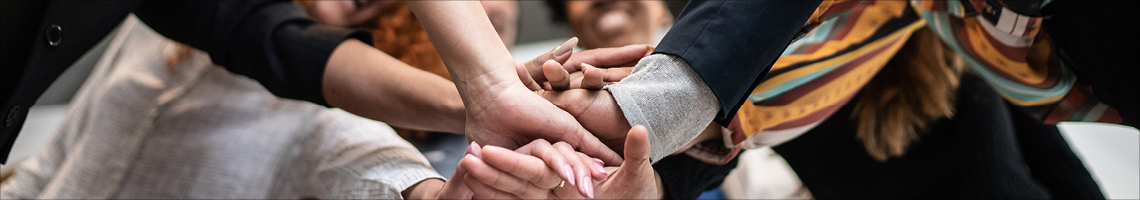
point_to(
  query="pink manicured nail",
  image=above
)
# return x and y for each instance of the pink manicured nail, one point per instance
(601, 169)
(568, 173)
(473, 149)
(600, 162)
(587, 186)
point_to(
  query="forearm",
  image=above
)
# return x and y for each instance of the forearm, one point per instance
(369, 83)
(468, 44)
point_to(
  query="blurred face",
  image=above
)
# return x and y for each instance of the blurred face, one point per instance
(616, 23)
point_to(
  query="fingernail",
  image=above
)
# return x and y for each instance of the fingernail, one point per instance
(600, 162)
(587, 186)
(586, 66)
(568, 173)
(599, 168)
(566, 47)
(473, 149)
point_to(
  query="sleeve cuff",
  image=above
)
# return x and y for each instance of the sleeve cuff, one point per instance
(669, 99)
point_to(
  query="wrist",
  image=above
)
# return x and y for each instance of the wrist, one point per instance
(486, 87)
(426, 189)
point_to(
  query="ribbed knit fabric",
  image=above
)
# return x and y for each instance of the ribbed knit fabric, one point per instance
(669, 98)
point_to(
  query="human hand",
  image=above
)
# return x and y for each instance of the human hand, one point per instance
(594, 78)
(515, 116)
(502, 173)
(561, 69)
(595, 110)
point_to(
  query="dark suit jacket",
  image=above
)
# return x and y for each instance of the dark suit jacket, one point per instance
(273, 42)
(732, 44)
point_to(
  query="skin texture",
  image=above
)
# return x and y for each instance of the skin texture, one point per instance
(502, 106)
(499, 173)
(500, 109)
(416, 98)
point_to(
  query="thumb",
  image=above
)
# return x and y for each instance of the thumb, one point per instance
(637, 148)
(454, 188)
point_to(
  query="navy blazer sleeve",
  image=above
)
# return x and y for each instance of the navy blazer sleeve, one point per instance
(273, 42)
(732, 44)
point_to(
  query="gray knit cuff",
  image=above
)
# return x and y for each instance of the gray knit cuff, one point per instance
(669, 99)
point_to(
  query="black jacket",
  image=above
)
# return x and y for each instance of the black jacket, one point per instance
(273, 42)
(732, 44)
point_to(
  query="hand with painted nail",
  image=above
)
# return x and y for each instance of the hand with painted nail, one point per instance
(562, 69)
(536, 172)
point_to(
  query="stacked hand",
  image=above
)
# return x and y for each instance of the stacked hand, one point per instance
(498, 173)
(515, 115)
(573, 84)
(541, 168)
(500, 110)
(509, 114)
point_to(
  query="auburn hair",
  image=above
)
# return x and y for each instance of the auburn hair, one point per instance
(913, 90)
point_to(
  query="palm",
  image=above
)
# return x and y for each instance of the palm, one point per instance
(627, 183)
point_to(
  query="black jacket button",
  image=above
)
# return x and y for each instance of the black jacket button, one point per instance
(54, 35)
(12, 113)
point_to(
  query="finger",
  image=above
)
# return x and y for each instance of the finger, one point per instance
(581, 168)
(607, 57)
(482, 191)
(535, 170)
(499, 180)
(591, 77)
(474, 149)
(562, 52)
(559, 54)
(454, 188)
(552, 158)
(558, 77)
(568, 193)
(590, 145)
(599, 171)
(637, 151)
(526, 78)
(615, 74)
(576, 80)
